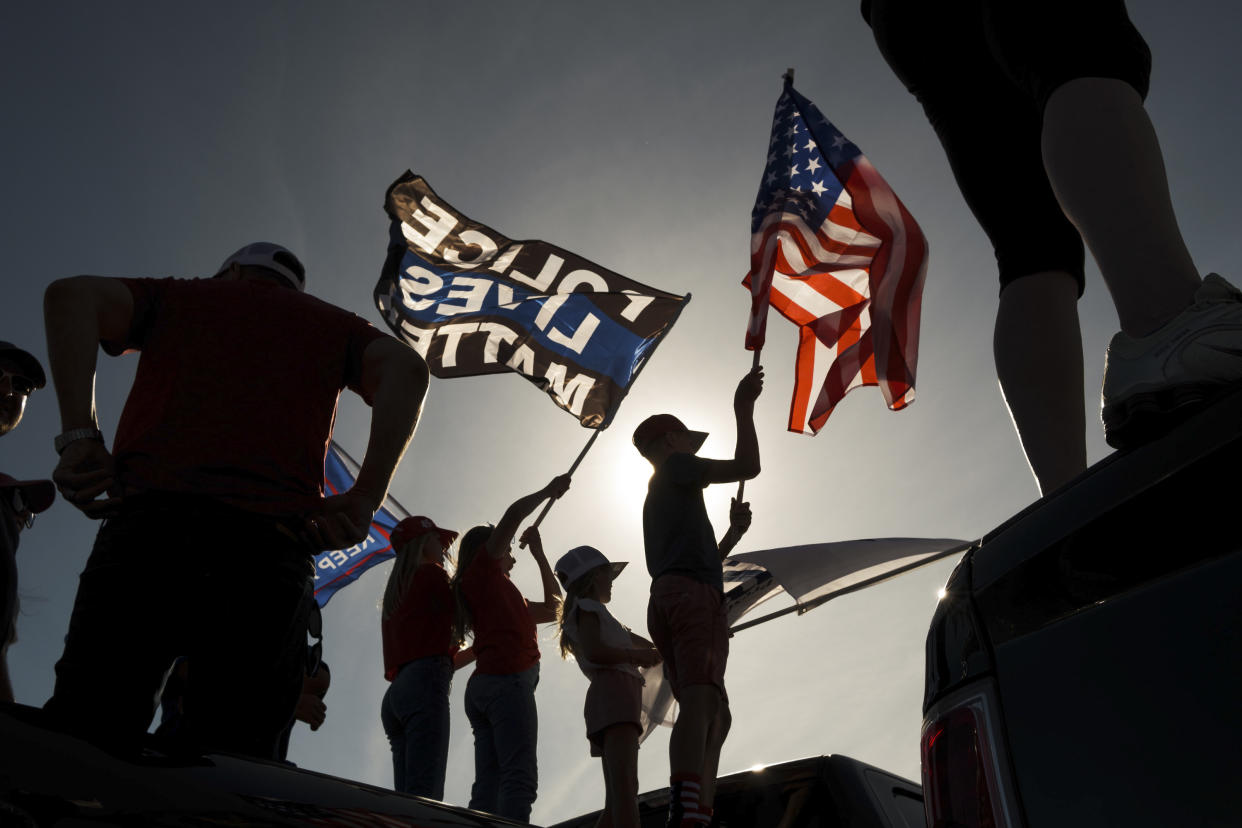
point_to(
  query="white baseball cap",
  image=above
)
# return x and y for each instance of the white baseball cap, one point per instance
(580, 560)
(273, 257)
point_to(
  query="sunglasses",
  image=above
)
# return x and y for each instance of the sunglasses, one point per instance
(21, 508)
(20, 383)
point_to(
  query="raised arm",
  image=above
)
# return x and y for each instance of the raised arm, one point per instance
(518, 511)
(395, 378)
(745, 462)
(545, 611)
(78, 314)
(739, 522)
(590, 647)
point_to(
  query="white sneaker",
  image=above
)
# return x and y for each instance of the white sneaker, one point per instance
(1154, 381)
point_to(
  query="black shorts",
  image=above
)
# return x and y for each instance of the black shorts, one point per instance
(983, 71)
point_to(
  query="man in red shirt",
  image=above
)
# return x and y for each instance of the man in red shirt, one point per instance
(218, 460)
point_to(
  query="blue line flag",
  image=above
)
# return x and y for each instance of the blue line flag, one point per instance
(472, 301)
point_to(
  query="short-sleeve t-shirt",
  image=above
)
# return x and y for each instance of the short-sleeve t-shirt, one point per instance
(421, 625)
(612, 633)
(505, 638)
(677, 536)
(236, 390)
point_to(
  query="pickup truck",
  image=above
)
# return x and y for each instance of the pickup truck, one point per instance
(52, 780)
(1084, 665)
(821, 792)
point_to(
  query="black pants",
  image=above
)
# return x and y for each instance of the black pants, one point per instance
(172, 577)
(983, 71)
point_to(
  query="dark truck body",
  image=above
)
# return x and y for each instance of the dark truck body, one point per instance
(1085, 664)
(51, 780)
(821, 792)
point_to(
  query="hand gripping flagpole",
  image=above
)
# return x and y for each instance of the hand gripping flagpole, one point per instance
(578, 460)
(754, 363)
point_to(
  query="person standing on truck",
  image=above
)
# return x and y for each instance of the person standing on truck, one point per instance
(1039, 108)
(21, 375)
(686, 613)
(500, 695)
(609, 654)
(212, 490)
(420, 657)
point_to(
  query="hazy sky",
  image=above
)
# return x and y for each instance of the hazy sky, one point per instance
(152, 139)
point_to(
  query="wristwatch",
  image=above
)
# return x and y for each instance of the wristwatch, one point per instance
(75, 434)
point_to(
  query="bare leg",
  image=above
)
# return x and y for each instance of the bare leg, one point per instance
(1105, 166)
(1038, 350)
(621, 776)
(605, 816)
(711, 760)
(687, 746)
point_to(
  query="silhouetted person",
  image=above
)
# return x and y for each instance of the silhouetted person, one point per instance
(420, 656)
(212, 490)
(686, 613)
(609, 655)
(500, 695)
(1039, 107)
(20, 375)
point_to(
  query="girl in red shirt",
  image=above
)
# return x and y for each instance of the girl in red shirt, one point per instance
(420, 656)
(500, 696)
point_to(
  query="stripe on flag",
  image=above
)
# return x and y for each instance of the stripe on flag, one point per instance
(834, 251)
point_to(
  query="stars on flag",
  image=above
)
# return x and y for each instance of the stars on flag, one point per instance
(797, 175)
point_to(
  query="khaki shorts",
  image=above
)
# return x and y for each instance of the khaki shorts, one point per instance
(687, 622)
(614, 697)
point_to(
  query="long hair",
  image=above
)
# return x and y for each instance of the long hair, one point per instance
(409, 558)
(467, 550)
(574, 593)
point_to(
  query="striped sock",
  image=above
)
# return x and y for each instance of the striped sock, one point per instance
(698, 819)
(683, 801)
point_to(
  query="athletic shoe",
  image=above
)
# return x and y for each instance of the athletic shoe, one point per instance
(1155, 381)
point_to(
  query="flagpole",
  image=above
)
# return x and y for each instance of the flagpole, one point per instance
(595, 434)
(548, 506)
(741, 484)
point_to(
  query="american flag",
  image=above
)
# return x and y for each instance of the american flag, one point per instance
(837, 253)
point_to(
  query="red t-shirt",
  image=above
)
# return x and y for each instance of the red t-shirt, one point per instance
(236, 390)
(422, 624)
(504, 633)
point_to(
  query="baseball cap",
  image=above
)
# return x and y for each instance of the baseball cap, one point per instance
(273, 257)
(414, 527)
(657, 425)
(580, 560)
(34, 371)
(38, 494)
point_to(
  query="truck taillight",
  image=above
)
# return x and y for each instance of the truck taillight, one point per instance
(959, 772)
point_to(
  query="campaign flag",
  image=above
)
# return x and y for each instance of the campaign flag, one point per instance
(837, 253)
(472, 301)
(340, 567)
